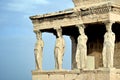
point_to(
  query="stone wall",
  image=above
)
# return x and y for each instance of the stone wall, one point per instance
(116, 29)
(93, 2)
(117, 56)
(77, 75)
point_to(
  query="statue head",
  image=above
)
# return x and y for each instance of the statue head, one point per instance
(59, 32)
(108, 29)
(81, 29)
(38, 35)
(109, 26)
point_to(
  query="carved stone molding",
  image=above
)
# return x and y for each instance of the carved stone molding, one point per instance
(96, 10)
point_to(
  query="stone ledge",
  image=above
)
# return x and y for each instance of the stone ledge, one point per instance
(98, 74)
(67, 11)
(71, 10)
(35, 72)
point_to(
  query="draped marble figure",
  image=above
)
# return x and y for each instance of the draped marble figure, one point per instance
(108, 47)
(59, 49)
(81, 53)
(38, 50)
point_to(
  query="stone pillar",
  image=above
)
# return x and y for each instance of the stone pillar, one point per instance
(108, 46)
(74, 46)
(81, 53)
(59, 49)
(38, 50)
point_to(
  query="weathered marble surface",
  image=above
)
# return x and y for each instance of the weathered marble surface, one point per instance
(38, 50)
(78, 3)
(91, 12)
(59, 49)
(108, 47)
(81, 53)
(103, 74)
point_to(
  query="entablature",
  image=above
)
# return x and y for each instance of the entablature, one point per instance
(87, 15)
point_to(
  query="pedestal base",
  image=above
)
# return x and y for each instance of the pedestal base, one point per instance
(103, 74)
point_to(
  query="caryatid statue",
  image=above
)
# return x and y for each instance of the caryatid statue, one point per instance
(59, 49)
(38, 50)
(108, 46)
(81, 53)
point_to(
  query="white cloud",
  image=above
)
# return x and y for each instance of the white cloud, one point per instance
(16, 6)
(41, 1)
(24, 5)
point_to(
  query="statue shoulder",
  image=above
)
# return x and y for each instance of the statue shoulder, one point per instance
(113, 33)
(86, 37)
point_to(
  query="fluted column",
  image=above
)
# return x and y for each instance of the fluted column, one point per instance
(108, 46)
(59, 49)
(38, 50)
(81, 53)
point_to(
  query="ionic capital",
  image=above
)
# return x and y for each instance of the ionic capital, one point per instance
(57, 27)
(80, 25)
(109, 22)
(59, 32)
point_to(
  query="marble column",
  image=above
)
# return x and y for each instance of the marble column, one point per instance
(59, 49)
(108, 46)
(81, 53)
(38, 50)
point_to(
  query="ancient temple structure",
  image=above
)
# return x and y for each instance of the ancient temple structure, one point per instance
(94, 30)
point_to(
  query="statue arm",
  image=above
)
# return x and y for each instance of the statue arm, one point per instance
(63, 44)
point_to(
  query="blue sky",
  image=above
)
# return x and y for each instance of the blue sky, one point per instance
(17, 38)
